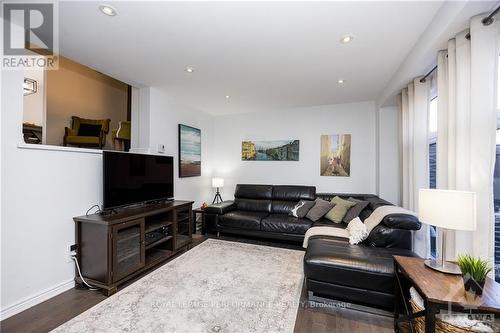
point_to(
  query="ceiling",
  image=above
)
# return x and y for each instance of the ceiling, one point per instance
(265, 55)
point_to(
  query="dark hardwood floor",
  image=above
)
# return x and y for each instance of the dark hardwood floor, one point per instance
(59, 309)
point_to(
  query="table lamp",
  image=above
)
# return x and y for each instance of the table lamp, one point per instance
(447, 210)
(217, 183)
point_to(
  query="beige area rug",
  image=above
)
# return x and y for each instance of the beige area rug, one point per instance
(218, 286)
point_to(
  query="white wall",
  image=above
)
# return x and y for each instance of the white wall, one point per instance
(164, 117)
(41, 191)
(389, 171)
(34, 104)
(307, 125)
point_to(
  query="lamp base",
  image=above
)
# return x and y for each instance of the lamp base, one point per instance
(217, 198)
(444, 267)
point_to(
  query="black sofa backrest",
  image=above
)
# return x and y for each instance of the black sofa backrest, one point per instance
(256, 198)
(285, 197)
(278, 199)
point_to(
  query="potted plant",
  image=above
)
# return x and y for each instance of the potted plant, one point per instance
(474, 272)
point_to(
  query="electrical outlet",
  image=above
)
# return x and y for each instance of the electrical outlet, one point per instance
(73, 247)
(161, 148)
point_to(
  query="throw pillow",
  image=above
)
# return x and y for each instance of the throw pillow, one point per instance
(354, 211)
(338, 212)
(357, 231)
(320, 208)
(302, 208)
(89, 130)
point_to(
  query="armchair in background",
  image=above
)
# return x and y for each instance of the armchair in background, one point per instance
(121, 136)
(86, 132)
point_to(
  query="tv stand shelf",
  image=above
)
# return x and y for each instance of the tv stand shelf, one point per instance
(111, 249)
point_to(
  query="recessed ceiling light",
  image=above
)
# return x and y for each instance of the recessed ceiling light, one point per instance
(227, 97)
(108, 10)
(189, 69)
(341, 81)
(346, 39)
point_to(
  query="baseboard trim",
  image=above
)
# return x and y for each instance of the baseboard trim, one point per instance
(36, 299)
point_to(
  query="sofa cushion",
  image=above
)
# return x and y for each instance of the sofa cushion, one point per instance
(245, 191)
(334, 260)
(324, 222)
(285, 223)
(242, 219)
(293, 192)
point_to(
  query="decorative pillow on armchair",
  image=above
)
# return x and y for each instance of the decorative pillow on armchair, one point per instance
(302, 208)
(89, 130)
(338, 212)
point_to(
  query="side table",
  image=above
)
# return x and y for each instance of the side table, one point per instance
(439, 291)
(202, 212)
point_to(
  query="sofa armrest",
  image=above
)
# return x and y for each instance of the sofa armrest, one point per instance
(402, 221)
(383, 236)
(69, 131)
(220, 208)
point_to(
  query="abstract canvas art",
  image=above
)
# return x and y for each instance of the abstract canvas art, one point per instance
(277, 150)
(335, 157)
(189, 151)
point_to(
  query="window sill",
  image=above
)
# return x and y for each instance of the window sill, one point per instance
(23, 145)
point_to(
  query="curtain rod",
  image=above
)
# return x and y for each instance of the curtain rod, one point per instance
(489, 19)
(422, 80)
(486, 21)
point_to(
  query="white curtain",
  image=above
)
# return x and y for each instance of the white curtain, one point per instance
(415, 153)
(466, 129)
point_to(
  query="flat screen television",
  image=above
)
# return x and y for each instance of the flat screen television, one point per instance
(130, 178)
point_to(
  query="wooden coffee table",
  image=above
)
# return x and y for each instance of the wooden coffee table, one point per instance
(439, 291)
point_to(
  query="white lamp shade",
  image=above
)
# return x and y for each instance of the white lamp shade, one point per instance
(455, 210)
(217, 182)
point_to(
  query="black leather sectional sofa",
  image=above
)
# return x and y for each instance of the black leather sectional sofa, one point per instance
(333, 268)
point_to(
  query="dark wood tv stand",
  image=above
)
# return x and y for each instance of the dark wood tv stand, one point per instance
(114, 248)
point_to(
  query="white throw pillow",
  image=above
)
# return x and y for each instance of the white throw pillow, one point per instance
(357, 231)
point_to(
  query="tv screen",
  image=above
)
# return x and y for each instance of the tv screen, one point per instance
(134, 178)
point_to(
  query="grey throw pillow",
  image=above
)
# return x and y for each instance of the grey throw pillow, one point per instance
(302, 208)
(320, 208)
(354, 211)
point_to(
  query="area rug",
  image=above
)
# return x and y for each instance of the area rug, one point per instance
(218, 286)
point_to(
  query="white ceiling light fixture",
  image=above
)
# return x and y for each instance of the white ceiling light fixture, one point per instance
(340, 81)
(189, 69)
(346, 39)
(227, 97)
(107, 10)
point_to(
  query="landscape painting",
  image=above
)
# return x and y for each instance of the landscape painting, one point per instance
(335, 155)
(189, 151)
(277, 150)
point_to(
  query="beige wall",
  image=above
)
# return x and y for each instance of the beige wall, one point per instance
(34, 104)
(76, 90)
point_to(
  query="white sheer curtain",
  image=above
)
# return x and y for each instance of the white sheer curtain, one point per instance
(415, 153)
(466, 129)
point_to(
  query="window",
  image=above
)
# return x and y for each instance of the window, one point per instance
(433, 119)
